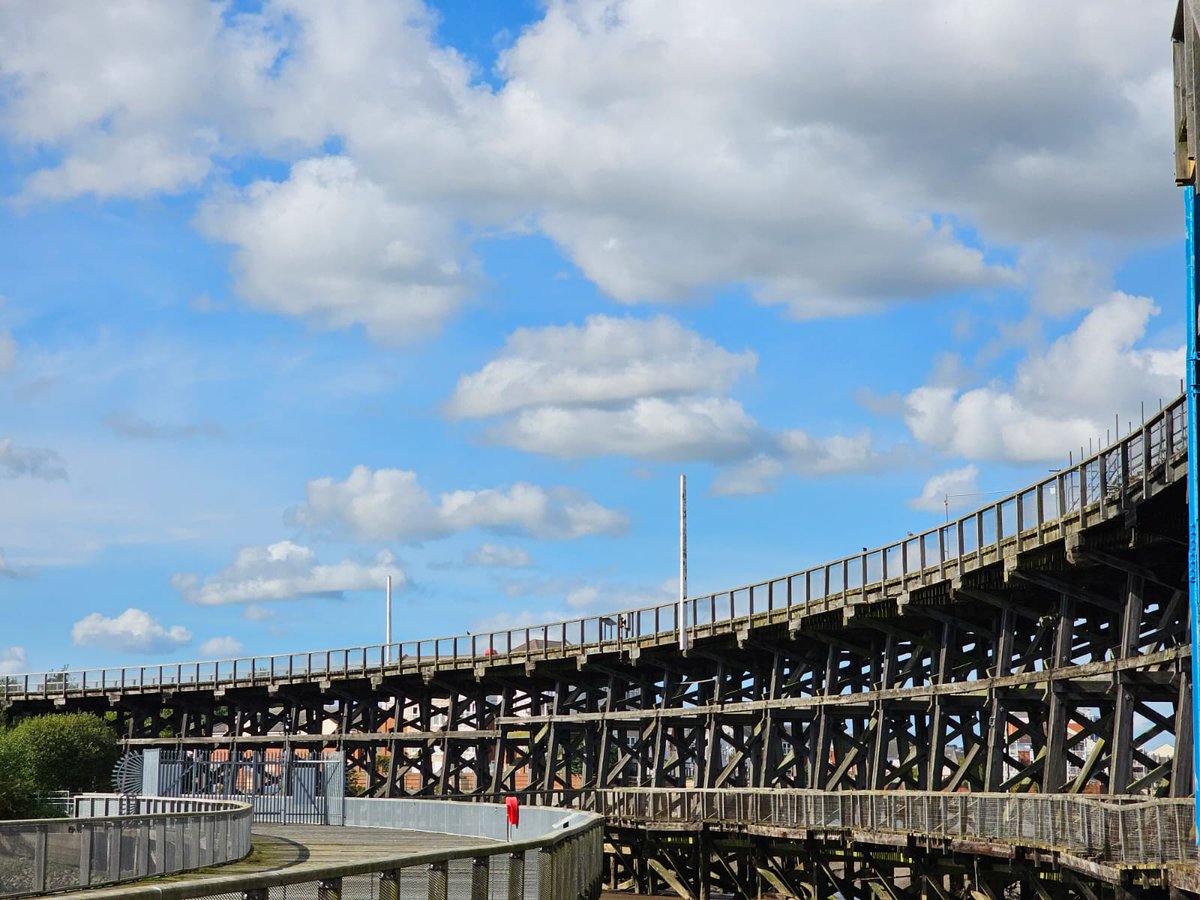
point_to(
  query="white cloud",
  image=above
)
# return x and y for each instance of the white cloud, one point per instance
(255, 613)
(13, 660)
(499, 556)
(708, 428)
(136, 96)
(35, 462)
(604, 361)
(221, 647)
(735, 149)
(799, 453)
(665, 160)
(332, 247)
(757, 475)
(134, 630)
(948, 490)
(648, 389)
(390, 504)
(1061, 398)
(286, 571)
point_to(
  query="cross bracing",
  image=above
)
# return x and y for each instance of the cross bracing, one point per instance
(1037, 646)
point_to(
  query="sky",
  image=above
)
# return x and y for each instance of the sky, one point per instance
(295, 296)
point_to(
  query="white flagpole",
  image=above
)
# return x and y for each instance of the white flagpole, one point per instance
(681, 612)
(387, 652)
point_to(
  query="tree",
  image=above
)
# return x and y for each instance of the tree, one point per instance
(65, 752)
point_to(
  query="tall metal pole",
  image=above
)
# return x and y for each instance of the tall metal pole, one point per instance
(387, 651)
(681, 612)
(1193, 429)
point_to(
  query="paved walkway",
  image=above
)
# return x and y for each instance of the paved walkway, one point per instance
(296, 847)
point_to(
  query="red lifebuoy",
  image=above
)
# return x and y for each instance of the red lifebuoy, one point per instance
(514, 810)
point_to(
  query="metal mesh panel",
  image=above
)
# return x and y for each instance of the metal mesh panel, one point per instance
(459, 873)
(414, 884)
(516, 880)
(305, 891)
(55, 855)
(16, 861)
(101, 852)
(62, 856)
(360, 887)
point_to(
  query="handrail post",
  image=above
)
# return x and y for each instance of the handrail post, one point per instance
(479, 878)
(439, 880)
(389, 885)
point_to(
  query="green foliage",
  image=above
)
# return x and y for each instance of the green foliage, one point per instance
(58, 752)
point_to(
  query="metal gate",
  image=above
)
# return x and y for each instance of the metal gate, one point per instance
(283, 786)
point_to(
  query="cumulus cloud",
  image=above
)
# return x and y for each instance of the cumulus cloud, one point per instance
(221, 647)
(1060, 398)
(133, 630)
(12, 660)
(390, 504)
(710, 428)
(948, 490)
(138, 97)
(664, 160)
(802, 454)
(334, 248)
(645, 388)
(499, 556)
(734, 150)
(286, 571)
(606, 360)
(34, 462)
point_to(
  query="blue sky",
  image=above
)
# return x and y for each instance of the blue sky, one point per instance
(296, 296)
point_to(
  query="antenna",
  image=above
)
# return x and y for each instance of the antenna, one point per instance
(387, 649)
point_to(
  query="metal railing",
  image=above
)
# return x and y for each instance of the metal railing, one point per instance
(120, 839)
(564, 862)
(1141, 832)
(1090, 491)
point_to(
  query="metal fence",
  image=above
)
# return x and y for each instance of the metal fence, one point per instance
(120, 839)
(1149, 831)
(284, 786)
(565, 862)
(1092, 490)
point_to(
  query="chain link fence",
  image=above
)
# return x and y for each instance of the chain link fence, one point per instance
(120, 839)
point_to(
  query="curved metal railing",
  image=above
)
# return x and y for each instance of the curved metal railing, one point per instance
(564, 859)
(1090, 491)
(1134, 831)
(121, 839)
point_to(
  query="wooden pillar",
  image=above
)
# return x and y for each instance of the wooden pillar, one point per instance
(1121, 761)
